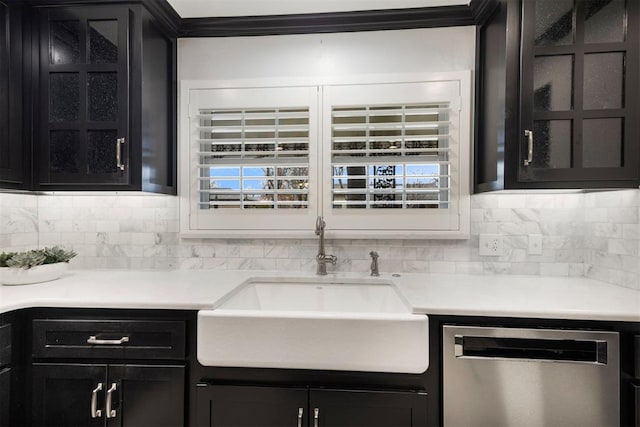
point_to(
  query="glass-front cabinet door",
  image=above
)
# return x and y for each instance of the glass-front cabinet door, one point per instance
(84, 99)
(579, 91)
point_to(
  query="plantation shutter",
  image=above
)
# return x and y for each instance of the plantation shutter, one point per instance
(255, 152)
(392, 157)
(253, 158)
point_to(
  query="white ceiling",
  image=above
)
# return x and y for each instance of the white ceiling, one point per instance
(221, 8)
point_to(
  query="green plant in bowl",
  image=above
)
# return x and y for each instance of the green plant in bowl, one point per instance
(35, 257)
(34, 266)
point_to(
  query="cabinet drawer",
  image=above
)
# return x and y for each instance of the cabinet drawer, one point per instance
(5, 344)
(120, 339)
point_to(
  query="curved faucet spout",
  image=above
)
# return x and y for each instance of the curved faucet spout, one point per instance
(322, 258)
(320, 224)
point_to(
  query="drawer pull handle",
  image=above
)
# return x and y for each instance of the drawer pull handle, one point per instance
(94, 340)
(529, 159)
(95, 412)
(111, 413)
(316, 417)
(119, 163)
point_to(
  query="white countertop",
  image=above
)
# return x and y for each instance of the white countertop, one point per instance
(446, 294)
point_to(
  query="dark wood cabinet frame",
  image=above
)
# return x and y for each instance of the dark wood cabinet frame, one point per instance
(503, 109)
(24, 96)
(430, 381)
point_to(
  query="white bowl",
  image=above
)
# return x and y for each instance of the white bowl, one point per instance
(37, 274)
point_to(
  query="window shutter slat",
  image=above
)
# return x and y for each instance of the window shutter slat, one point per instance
(390, 156)
(253, 158)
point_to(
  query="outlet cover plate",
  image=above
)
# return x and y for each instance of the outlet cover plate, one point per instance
(491, 245)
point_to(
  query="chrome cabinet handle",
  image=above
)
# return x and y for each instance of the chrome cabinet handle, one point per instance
(95, 412)
(529, 159)
(111, 413)
(316, 417)
(119, 144)
(94, 340)
(300, 412)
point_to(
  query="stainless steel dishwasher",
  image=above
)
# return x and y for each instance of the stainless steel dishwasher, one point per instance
(530, 377)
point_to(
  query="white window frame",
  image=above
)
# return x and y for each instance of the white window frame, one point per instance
(452, 223)
(247, 222)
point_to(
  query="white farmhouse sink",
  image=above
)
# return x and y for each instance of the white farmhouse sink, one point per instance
(314, 323)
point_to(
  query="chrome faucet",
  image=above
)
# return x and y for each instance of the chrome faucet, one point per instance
(322, 259)
(374, 263)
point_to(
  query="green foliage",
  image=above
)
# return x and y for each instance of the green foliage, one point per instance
(35, 257)
(4, 256)
(57, 254)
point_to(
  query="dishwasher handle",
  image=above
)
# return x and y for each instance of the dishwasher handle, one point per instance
(538, 349)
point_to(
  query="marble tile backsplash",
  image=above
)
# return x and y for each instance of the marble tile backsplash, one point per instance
(583, 234)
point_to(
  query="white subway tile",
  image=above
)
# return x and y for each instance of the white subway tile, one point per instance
(442, 267)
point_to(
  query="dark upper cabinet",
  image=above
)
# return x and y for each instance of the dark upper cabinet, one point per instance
(105, 114)
(558, 89)
(14, 152)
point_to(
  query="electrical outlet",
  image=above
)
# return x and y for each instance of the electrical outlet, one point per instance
(535, 244)
(491, 245)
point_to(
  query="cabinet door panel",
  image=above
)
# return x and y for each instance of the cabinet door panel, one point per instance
(579, 72)
(5, 344)
(145, 395)
(337, 408)
(84, 101)
(245, 406)
(13, 167)
(62, 394)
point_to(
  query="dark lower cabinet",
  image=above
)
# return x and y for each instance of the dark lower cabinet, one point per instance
(246, 406)
(249, 406)
(334, 408)
(636, 399)
(5, 397)
(108, 395)
(6, 353)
